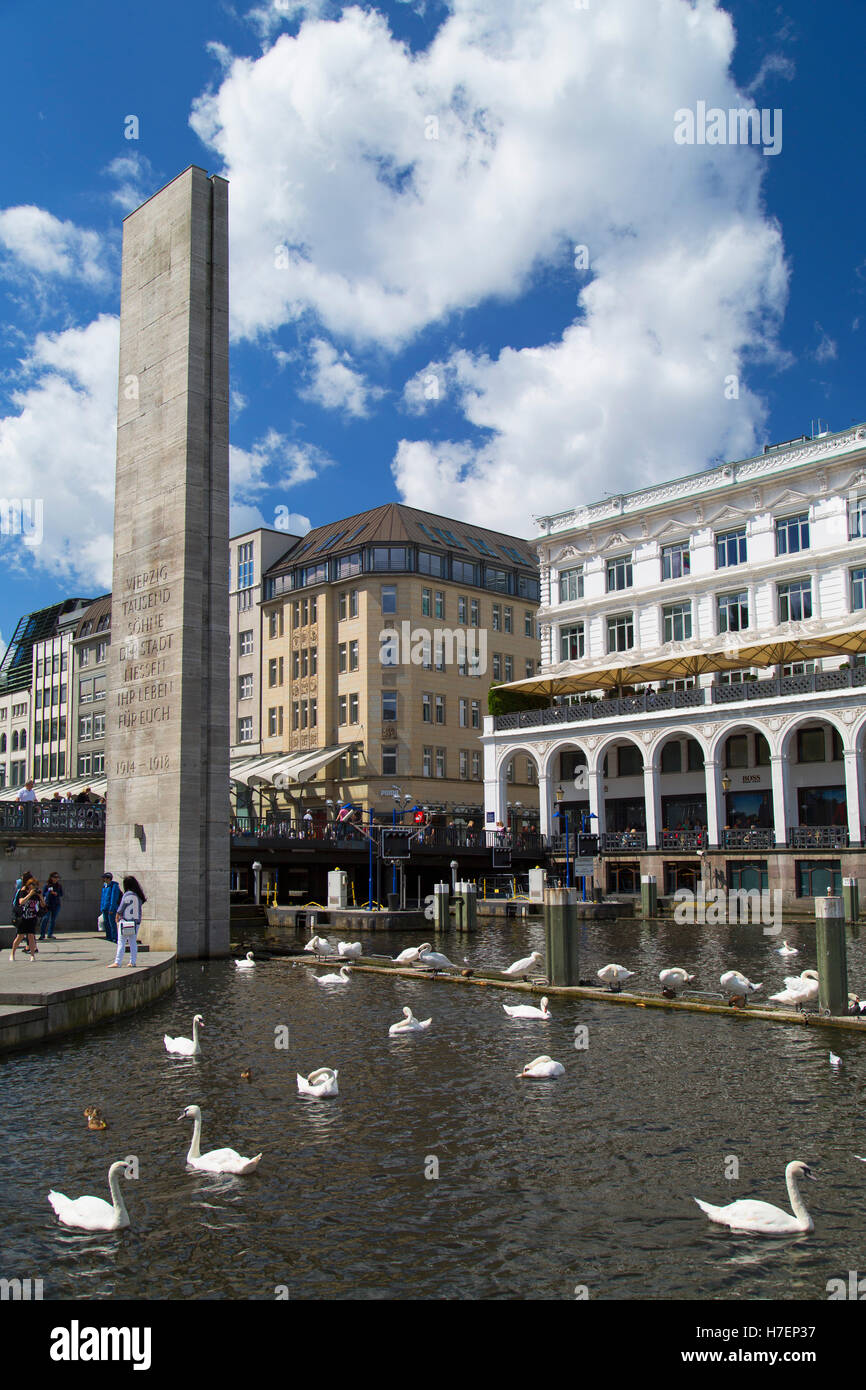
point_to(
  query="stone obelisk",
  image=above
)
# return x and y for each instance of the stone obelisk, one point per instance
(167, 717)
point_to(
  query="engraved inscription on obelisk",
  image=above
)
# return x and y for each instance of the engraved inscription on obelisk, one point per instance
(167, 734)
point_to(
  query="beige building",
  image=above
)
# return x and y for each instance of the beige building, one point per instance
(381, 636)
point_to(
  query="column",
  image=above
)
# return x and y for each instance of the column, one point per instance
(779, 774)
(595, 779)
(715, 803)
(544, 805)
(653, 805)
(853, 796)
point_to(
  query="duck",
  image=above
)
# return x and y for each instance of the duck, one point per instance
(349, 948)
(218, 1160)
(322, 1082)
(543, 1067)
(186, 1047)
(673, 979)
(247, 963)
(799, 989)
(737, 986)
(340, 977)
(786, 950)
(94, 1213)
(411, 953)
(95, 1119)
(409, 1024)
(247, 1075)
(319, 945)
(525, 964)
(762, 1218)
(528, 1010)
(615, 976)
(427, 956)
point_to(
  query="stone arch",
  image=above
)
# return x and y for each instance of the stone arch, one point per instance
(746, 725)
(830, 717)
(511, 752)
(596, 759)
(655, 748)
(562, 746)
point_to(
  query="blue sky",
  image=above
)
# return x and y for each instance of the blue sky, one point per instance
(408, 186)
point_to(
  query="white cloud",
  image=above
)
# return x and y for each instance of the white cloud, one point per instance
(273, 461)
(267, 18)
(59, 446)
(135, 178)
(335, 384)
(37, 242)
(827, 349)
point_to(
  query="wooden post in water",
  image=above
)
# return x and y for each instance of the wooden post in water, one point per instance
(441, 919)
(466, 904)
(851, 899)
(832, 955)
(649, 897)
(560, 930)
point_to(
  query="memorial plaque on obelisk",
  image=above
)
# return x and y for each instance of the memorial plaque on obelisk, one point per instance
(167, 717)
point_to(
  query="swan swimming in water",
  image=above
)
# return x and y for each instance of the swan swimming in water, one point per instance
(218, 1160)
(342, 977)
(786, 950)
(320, 945)
(322, 1082)
(521, 967)
(409, 1024)
(673, 979)
(615, 976)
(763, 1218)
(834, 1060)
(186, 1047)
(542, 1067)
(247, 963)
(349, 948)
(799, 989)
(528, 1010)
(93, 1213)
(427, 956)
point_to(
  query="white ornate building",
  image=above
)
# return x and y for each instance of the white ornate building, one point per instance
(718, 619)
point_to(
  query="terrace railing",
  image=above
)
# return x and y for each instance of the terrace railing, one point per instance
(51, 817)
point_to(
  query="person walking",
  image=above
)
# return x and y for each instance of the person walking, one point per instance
(52, 895)
(27, 905)
(108, 904)
(128, 919)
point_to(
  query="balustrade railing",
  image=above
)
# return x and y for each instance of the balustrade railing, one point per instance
(53, 817)
(621, 839)
(756, 838)
(817, 837)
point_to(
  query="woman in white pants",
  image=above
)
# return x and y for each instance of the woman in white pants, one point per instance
(128, 918)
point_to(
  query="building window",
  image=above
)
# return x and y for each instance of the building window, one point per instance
(620, 632)
(428, 563)
(245, 729)
(245, 565)
(353, 656)
(733, 612)
(461, 609)
(101, 650)
(795, 600)
(440, 762)
(85, 728)
(440, 709)
(497, 579)
(245, 600)
(792, 534)
(275, 721)
(275, 629)
(426, 599)
(530, 667)
(509, 668)
(343, 657)
(695, 755)
(731, 548)
(296, 715)
(439, 604)
(810, 746)
(497, 617)
(427, 709)
(737, 751)
(354, 709)
(427, 762)
(349, 763)
(858, 588)
(570, 588)
(347, 565)
(476, 714)
(508, 618)
(275, 671)
(342, 709)
(619, 573)
(676, 561)
(85, 764)
(464, 572)
(389, 707)
(245, 641)
(389, 760)
(629, 761)
(857, 518)
(245, 687)
(571, 642)
(677, 622)
(748, 875)
(476, 767)
(389, 557)
(818, 877)
(474, 613)
(389, 598)
(98, 763)
(464, 765)
(497, 666)
(527, 623)
(389, 647)
(509, 772)
(672, 757)
(463, 713)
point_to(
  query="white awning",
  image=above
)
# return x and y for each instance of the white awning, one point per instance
(45, 790)
(285, 769)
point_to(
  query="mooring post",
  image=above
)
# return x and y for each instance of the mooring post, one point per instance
(851, 899)
(470, 898)
(441, 919)
(832, 955)
(649, 896)
(560, 930)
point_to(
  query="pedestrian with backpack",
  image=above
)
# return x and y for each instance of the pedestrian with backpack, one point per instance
(128, 919)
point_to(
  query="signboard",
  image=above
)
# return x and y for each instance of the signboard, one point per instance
(582, 868)
(396, 843)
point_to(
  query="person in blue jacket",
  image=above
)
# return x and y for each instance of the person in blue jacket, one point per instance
(108, 901)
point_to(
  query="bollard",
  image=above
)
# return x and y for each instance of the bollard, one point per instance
(832, 955)
(560, 931)
(441, 920)
(649, 896)
(851, 899)
(466, 907)
(536, 884)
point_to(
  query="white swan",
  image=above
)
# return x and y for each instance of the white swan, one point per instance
(762, 1217)
(218, 1160)
(427, 956)
(799, 989)
(186, 1047)
(834, 1060)
(615, 976)
(521, 967)
(737, 985)
(528, 1010)
(322, 1082)
(409, 1024)
(349, 948)
(786, 950)
(673, 979)
(410, 953)
(341, 977)
(93, 1213)
(542, 1067)
(247, 963)
(320, 945)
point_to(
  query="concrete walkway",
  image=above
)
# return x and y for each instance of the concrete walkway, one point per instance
(69, 987)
